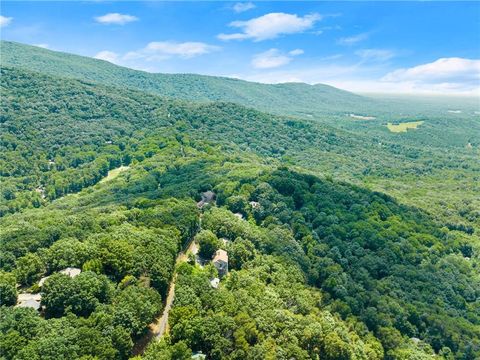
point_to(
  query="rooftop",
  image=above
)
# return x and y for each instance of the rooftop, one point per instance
(221, 255)
(27, 300)
(69, 271)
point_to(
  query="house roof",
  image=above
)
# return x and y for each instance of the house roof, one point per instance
(69, 271)
(221, 255)
(29, 300)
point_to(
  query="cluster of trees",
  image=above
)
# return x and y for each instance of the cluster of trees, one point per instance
(263, 311)
(388, 264)
(376, 264)
(53, 143)
(127, 257)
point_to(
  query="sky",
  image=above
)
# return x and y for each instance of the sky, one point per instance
(396, 47)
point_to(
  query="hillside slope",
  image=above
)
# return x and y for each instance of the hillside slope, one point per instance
(76, 131)
(319, 268)
(322, 103)
(290, 98)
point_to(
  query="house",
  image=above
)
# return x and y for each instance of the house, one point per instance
(254, 204)
(26, 300)
(207, 198)
(220, 261)
(69, 271)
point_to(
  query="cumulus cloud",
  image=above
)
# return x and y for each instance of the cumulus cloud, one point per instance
(5, 21)
(351, 40)
(106, 55)
(148, 58)
(159, 50)
(243, 6)
(270, 26)
(115, 18)
(273, 58)
(375, 54)
(455, 76)
(453, 70)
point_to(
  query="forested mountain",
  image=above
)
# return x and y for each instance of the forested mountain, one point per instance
(282, 98)
(322, 103)
(343, 243)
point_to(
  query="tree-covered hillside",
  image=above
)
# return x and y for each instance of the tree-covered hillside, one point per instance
(371, 276)
(345, 240)
(320, 102)
(282, 98)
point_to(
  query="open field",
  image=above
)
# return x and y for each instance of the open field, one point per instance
(112, 174)
(403, 127)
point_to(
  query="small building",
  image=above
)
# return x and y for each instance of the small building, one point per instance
(238, 215)
(26, 300)
(207, 198)
(220, 261)
(69, 271)
(215, 282)
(254, 204)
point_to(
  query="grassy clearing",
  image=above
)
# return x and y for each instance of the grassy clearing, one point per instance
(112, 174)
(403, 127)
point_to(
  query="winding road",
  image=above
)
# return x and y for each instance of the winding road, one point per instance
(160, 326)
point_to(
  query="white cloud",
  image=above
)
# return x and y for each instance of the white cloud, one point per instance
(375, 54)
(453, 70)
(106, 55)
(245, 6)
(296, 52)
(115, 18)
(160, 50)
(44, 46)
(270, 59)
(5, 21)
(273, 58)
(270, 26)
(148, 58)
(453, 76)
(353, 39)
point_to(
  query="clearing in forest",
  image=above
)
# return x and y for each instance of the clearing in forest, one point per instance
(112, 174)
(361, 117)
(403, 127)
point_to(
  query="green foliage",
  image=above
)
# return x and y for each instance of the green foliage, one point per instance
(80, 295)
(260, 312)
(320, 268)
(136, 306)
(29, 268)
(208, 243)
(8, 289)
(161, 350)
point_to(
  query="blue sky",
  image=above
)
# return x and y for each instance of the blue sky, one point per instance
(424, 47)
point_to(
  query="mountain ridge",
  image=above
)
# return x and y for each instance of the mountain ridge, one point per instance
(266, 97)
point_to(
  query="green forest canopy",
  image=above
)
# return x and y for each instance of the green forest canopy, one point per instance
(322, 267)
